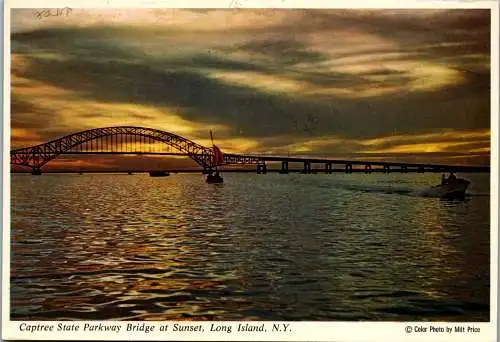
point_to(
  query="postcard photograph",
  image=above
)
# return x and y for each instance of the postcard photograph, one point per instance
(240, 166)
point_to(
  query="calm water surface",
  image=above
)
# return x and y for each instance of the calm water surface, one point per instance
(263, 247)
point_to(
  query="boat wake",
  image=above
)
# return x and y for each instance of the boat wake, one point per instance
(379, 189)
(431, 192)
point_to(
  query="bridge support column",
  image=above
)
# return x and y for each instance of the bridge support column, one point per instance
(404, 168)
(261, 168)
(284, 167)
(348, 168)
(36, 171)
(307, 167)
(387, 169)
(368, 168)
(328, 168)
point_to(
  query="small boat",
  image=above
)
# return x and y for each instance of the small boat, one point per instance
(448, 190)
(455, 189)
(218, 159)
(214, 178)
(159, 173)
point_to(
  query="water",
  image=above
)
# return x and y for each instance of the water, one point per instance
(258, 247)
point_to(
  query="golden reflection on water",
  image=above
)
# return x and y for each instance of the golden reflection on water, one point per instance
(328, 247)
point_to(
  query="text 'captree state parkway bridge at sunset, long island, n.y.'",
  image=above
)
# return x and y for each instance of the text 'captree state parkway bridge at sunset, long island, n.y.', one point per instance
(211, 166)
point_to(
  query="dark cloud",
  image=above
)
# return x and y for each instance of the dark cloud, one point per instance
(404, 26)
(26, 114)
(98, 115)
(450, 36)
(284, 51)
(258, 114)
(89, 43)
(210, 61)
(97, 63)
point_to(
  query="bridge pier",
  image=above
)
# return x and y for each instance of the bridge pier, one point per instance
(284, 167)
(307, 167)
(133, 140)
(261, 169)
(328, 168)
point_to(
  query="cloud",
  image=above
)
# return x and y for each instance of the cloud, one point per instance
(300, 76)
(283, 51)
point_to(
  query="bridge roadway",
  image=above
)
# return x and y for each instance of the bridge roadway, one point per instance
(348, 164)
(121, 140)
(262, 167)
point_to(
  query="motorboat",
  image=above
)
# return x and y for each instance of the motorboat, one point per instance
(448, 189)
(214, 178)
(159, 173)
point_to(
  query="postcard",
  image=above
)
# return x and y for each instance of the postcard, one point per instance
(244, 170)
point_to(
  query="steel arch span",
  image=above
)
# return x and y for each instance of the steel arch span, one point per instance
(39, 155)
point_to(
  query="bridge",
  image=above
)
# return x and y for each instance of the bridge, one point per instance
(131, 140)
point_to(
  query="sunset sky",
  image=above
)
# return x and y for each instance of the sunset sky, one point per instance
(407, 85)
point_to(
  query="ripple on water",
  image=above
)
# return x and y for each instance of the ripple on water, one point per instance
(296, 247)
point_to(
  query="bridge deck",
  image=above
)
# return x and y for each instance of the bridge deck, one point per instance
(131, 140)
(434, 167)
(238, 159)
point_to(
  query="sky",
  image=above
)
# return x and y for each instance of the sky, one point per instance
(378, 84)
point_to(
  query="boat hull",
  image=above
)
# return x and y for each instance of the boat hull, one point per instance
(215, 179)
(452, 190)
(159, 174)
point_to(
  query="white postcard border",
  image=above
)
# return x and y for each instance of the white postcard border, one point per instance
(300, 331)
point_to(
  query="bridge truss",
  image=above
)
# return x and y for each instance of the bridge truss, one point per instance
(111, 140)
(139, 140)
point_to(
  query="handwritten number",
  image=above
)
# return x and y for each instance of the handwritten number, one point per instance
(47, 12)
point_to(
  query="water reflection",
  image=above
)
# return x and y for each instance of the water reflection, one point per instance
(295, 247)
